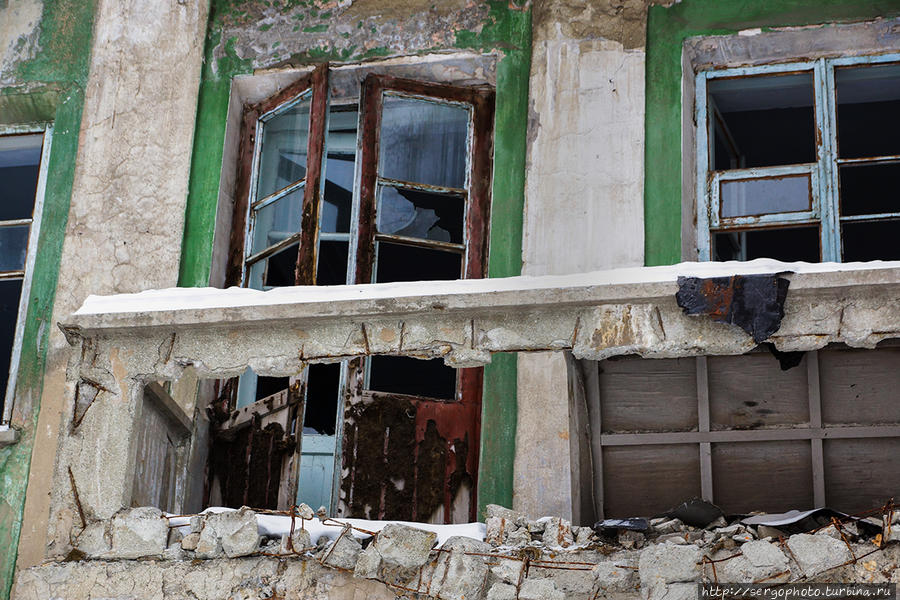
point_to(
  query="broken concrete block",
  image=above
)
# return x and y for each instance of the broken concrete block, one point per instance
(368, 563)
(138, 533)
(669, 563)
(495, 531)
(759, 560)
(502, 591)
(343, 552)
(536, 527)
(197, 523)
(817, 553)
(305, 512)
(558, 533)
(667, 526)
(300, 541)
(404, 546)
(584, 536)
(631, 539)
(233, 533)
(540, 589)
(513, 516)
(461, 576)
(610, 576)
(189, 542)
(672, 591)
(94, 540)
(173, 552)
(519, 537)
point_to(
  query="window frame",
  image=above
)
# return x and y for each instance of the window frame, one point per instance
(27, 273)
(824, 209)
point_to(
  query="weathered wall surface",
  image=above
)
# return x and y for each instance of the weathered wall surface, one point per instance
(19, 34)
(44, 51)
(584, 186)
(125, 222)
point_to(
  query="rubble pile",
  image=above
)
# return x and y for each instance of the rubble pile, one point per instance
(522, 558)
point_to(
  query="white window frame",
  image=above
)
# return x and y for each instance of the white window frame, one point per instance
(824, 207)
(31, 253)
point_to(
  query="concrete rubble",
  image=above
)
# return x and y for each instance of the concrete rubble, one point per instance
(521, 558)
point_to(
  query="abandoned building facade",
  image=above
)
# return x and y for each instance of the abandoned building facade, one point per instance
(405, 259)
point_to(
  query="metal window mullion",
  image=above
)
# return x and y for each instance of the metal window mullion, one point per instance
(277, 195)
(705, 197)
(706, 474)
(270, 250)
(815, 422)
(828, 178)
(871, 217)
(27, 274)
(16, 222)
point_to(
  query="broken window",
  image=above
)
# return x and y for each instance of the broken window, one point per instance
(392, 185)
(20, 204)
(800, 161)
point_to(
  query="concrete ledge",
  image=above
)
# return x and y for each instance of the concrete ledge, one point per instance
(8, 436)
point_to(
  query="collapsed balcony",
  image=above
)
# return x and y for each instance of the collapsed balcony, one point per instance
(128, 344)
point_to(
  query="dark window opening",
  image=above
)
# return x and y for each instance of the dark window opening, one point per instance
(281, 267)
(322, 386)
(770, 119)
(266, 386)
(869, 189)
(402, 375)
(332, 269)
(398, 262)
(868, 102)
(788, 244)
(872, 240)
(10, 291)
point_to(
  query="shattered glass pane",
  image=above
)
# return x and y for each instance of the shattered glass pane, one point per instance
(418, 214)
(423, 141)
(284, 141)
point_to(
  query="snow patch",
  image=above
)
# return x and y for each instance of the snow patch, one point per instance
(209, 298)
(275, 526)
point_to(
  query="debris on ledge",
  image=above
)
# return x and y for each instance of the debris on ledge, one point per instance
(509, 556)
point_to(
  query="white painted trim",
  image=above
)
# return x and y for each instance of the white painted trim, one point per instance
(30, 257)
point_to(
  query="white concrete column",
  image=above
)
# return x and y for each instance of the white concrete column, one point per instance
(584, 212)
(126, 218)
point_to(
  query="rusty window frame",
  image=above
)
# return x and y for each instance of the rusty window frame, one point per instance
(825, 190)
(314, 85)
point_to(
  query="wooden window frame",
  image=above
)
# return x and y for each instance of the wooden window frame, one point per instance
(465, 409)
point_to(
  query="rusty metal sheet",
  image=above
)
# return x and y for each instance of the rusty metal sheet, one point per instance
(755, 303)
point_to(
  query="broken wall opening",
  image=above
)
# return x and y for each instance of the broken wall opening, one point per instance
(747, 432)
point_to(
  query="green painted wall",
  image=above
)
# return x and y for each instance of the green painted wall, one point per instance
(506, 28)
(48, 87)
(667, 28)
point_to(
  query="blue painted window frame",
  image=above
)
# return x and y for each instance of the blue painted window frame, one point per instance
(824, 208)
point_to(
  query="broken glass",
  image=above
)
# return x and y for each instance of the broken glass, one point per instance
(423, 141)
(418, 214)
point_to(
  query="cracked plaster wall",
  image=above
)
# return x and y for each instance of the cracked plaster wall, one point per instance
(585, 185)
(19, 33)
(125, 221)
(291, 32)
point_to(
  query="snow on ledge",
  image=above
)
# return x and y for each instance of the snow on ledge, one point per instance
(210, 298)
(275, 526)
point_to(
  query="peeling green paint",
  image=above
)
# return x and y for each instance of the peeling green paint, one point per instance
(667, 29)
(48, 87)
(507, 29)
